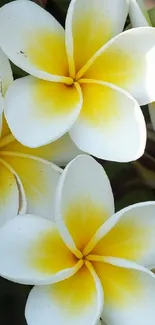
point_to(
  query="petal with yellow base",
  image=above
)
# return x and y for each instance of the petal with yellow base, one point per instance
(78, 300)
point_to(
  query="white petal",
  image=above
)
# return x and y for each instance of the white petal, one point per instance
(39, 179)
(103, 127)
(45, 113)
(84, 200)
(32, 252)
(138, 13)
(22, 201)
(89, 25)
(78, 301)
(60, 152)
(6, 77)
(129, 234)
(128, 61)
(33, 40)
(9, 194)
(1, 114)
(129, 292)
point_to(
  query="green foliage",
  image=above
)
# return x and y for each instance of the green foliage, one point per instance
(3, 2)
(63, 4)
(151, 13)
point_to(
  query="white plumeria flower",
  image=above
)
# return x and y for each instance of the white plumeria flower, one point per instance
(139, 17)
(91, 263)
(27, 182)
(83, 80)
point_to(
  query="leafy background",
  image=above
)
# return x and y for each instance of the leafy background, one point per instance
(131, 183)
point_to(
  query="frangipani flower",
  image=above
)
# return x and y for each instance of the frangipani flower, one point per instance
(139, 17)
(25, 179)
(91, 262)
(83, 80)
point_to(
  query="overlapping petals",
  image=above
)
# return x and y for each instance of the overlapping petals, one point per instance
(48, 111)
(138, 13)
(60, 152)
(129, 291)
(89, 25)
(6, 77)
(127, 61)
(27, 182)
(140, 17)
(78, 300)
(90, 48)
(91, 263)
(9, 195)
(39, 179)
(105, 119)
(131, 238)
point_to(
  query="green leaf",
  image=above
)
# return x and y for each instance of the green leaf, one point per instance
(63, 4)
(135, 196)
(151, 13)
(17, 72)
(3, 2)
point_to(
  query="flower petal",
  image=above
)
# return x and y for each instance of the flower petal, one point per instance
(84, 201)
(22, 202)
(60, 152)
(152, 113)
(5, 127)
(39, 178)
(6, 76)
(33, 40)
(138, 14)
(48, 110)
(89, 25)
(131, 235)
(9, 195)
(1, 114)
(32, 252)
(104, 125)
(128, 61)
(129, 292)
(77, 300)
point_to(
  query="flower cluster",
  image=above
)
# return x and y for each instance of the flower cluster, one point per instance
(59, 230)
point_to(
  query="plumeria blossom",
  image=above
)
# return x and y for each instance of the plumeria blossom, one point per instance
(90, 262)
(25, 179)
(139, 17)
(88, 80)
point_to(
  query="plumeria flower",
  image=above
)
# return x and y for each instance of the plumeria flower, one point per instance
(27, 182)
(82, 80)
(140, 17)
(90, 262)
